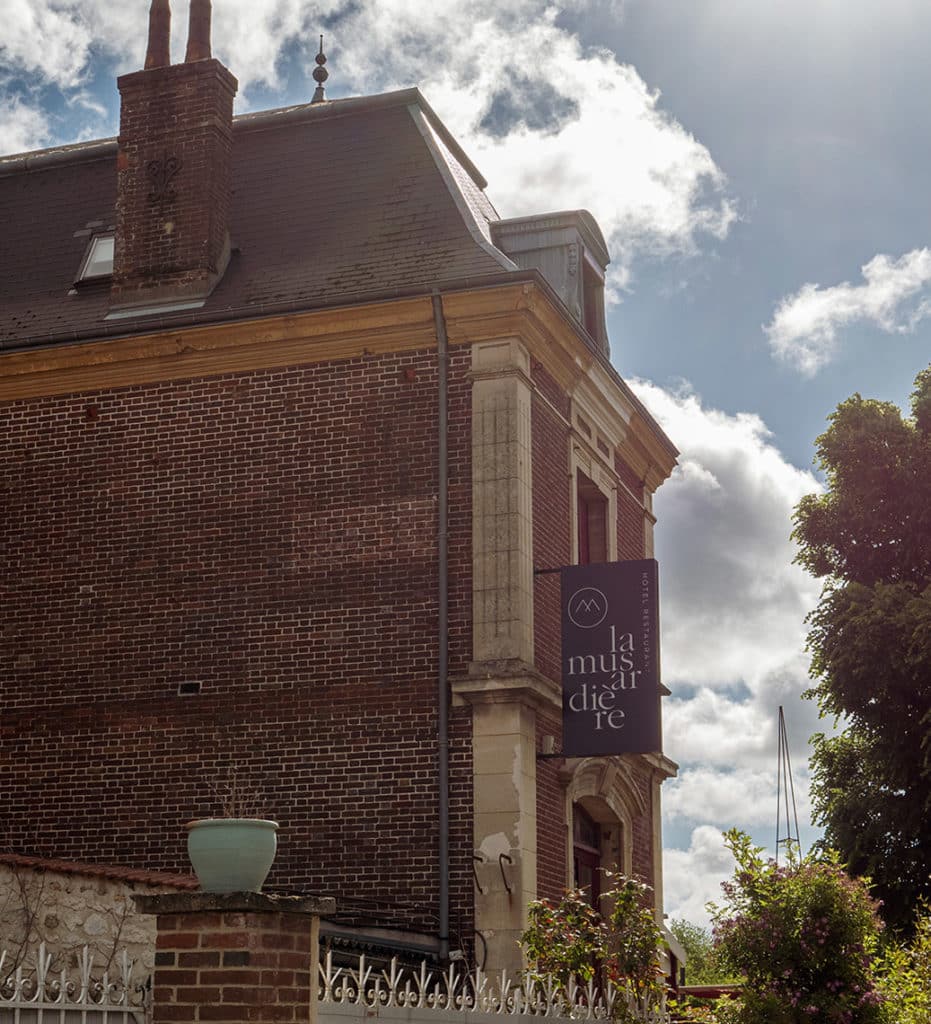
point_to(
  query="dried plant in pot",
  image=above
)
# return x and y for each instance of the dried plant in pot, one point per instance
(234, 851)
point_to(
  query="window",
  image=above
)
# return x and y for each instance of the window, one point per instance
(98, 259)
(586, 853)
(592, 289)
(593, 481)
(592, 521)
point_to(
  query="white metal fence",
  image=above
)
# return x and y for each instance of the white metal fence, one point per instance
(399, 994)
(32, 993)
(428, 995)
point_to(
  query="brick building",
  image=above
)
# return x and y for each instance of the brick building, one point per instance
(289, 417)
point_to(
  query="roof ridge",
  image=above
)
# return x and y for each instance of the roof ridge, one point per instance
(258, 120)
(114, 871)
(72, 152)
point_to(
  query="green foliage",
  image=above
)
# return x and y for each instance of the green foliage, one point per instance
(703, 965)
(870, 641)
(572, 940)
(905, 976)
(802, 936)
(706, 1011)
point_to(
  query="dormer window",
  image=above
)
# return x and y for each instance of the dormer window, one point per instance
(569, 250)
(98, 259)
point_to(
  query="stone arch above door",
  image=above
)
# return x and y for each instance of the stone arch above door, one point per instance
(607, 791)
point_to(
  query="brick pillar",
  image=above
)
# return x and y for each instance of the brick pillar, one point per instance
(235, 957)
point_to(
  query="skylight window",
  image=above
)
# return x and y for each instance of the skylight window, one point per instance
(98, 260)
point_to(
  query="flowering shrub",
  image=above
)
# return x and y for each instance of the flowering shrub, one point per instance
(564, 939)
(695, 1010)
(803, 936)
(571, 940)
(905, 975)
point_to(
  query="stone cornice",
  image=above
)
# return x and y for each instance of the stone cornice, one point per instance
(228, 902)
(662, 765)
(521, 309)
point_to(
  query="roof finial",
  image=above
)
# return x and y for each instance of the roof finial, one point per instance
(198, 35)
(158, 53)
(320, 75)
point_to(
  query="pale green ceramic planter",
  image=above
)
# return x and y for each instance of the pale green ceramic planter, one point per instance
(232, 854)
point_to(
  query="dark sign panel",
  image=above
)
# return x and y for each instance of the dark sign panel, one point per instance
(610, 659)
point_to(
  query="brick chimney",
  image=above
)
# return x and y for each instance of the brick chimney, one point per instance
(174, 170)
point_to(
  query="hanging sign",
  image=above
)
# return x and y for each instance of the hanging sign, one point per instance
(610, 658)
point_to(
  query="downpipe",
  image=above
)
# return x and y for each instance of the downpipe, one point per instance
(442, 346)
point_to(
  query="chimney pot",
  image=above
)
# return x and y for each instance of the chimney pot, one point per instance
(158, 53)
(198, 39)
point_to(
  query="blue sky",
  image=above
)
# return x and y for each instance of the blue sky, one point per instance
(760, 172)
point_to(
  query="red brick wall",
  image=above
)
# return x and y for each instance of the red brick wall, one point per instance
(552, 515)
(551, 814)
(270, 535)
(642, 853)
(629, 512)
(551, 548)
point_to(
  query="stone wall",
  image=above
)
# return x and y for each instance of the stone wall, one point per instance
(69, 906)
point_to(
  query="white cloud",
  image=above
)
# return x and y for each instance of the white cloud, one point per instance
(46, 38)
(725, 730)
(692, 877)
(805, 325)
(733, 610)
(733, 602)
(709, 795)
(608, 147)
(655, 189)
(22, 127)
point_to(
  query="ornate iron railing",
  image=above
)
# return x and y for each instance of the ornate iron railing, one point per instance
(37, 994)
(456, 990)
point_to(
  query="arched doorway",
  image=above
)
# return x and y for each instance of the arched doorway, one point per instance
(601, 804)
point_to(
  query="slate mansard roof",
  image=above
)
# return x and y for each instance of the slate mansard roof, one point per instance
(346, 201)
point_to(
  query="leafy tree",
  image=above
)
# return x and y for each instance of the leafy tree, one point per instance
(703, 966)
(802, 935)
(869, 538)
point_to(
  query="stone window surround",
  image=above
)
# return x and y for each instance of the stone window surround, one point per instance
(581, 460)
(594, 436)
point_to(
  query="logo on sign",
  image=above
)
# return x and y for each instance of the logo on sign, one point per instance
(587, 608)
